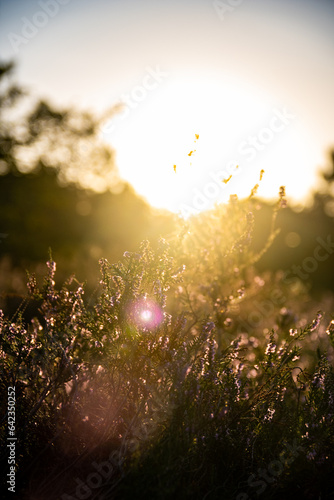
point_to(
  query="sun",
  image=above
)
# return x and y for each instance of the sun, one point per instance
(195, 140)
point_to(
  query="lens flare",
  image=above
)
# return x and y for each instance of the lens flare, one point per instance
(145, 313)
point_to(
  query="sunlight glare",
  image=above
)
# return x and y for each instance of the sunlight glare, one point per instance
(146, 315)
(158, 152)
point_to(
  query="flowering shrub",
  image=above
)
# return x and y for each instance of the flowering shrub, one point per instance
(166, 371)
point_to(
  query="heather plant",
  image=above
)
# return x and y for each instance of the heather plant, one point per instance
(165, 378)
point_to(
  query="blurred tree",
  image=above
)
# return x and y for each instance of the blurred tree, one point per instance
(293, 249)
(65, 140)
(59, 188)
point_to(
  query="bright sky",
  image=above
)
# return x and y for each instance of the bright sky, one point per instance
(253, 79)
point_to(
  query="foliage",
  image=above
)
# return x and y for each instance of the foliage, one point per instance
(34, 134)
(60, 188)
(163, 370)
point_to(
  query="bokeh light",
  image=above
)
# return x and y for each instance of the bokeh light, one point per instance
(145, 313)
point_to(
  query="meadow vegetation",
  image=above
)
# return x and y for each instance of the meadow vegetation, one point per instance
(184, 371)
(156, 378)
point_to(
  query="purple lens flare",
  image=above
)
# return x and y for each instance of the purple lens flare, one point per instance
(145, 313)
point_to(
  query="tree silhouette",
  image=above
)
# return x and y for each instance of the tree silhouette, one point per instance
(50, 163)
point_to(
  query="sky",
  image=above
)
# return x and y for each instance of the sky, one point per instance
(253, 80)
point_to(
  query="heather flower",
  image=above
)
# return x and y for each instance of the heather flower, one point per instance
(271, 348)
(316, 322)
(330, 328)
(52, 266)
(269, 415)
(282, 199)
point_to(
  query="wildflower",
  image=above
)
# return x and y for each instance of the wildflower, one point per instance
(51, 321)
(167, 318)
(269, 415)
(311, 455)
(254, 190)
(319, 381)
(227, 180)
(281, 396)
(330, 328)
(208, 327)
(271, 348)
(315, 323)
(213, 346)
(52, 266)
(32, 284)
(282, 200)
